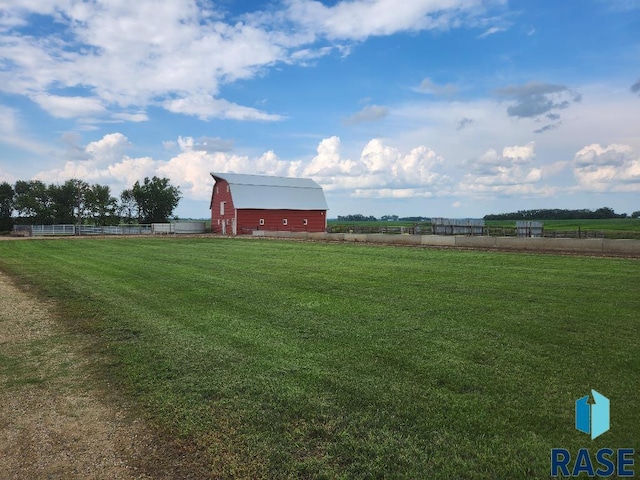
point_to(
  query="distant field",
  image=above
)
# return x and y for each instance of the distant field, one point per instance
(621, 224)
(313, 360)
(610, 228)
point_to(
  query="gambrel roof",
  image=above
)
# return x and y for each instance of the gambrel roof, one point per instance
(273, 193)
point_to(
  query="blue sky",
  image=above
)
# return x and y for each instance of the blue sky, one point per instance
(453, 108)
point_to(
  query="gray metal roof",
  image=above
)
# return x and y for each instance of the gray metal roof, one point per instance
(264, 192)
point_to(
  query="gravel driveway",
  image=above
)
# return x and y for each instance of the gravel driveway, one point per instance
(58, 423)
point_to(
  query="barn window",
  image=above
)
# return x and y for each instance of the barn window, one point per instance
(284, 221)
(304, 221)
(222, 208)
(216, 189)
(262, 221)
(227, 188)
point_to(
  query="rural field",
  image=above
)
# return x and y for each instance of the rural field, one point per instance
(276, 359)
(606, 228)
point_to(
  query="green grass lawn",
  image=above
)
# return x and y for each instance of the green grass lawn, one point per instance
(292, 359)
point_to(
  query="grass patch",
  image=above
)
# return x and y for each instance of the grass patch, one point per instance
(290, 359)
(608, 227)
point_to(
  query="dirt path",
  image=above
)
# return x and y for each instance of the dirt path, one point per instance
(54, 422)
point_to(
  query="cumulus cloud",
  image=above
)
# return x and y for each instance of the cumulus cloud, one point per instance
(379, 171)
(100, 160)
(510, 172)
(370, 113)
(121, 57)
(329, 163)
(612, 168)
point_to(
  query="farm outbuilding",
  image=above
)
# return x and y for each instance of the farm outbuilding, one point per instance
(243, 203)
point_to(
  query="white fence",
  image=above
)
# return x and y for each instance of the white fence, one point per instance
(144, 229)
(70, 230)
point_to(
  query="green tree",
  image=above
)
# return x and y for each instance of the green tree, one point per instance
(128, 208)
(32, 202)
(100, 205)
(7, 196)
(62, 199)
(156, 199)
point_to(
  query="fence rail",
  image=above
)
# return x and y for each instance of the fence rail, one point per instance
(71, 230)
(489, 230)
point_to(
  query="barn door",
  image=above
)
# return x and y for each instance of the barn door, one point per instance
(233, 226)
(224, 227)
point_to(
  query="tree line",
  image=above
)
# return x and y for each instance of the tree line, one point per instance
(76, 202)
(560, 214)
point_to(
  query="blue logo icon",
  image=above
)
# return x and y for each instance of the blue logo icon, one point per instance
(592, 418)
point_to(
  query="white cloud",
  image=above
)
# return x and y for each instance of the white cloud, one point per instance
(511, 172)
(177, 54)
(522, 153)
(359, 19)
(138, 53)
(131, 117)
(381, 171)
(611, 168)
(491, 31)
(380, 167)
(108, 149)
(328, 161)
(69, 107)
(205, 107)
(129, 170)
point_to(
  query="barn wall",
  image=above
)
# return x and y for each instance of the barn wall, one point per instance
(221, 193)
(249, 220)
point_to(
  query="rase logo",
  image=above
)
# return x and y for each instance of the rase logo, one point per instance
(592, 419)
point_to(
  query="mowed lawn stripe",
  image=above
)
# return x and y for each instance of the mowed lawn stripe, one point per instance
(292, 359)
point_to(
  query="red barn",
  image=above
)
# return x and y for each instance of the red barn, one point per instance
(243, 203)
